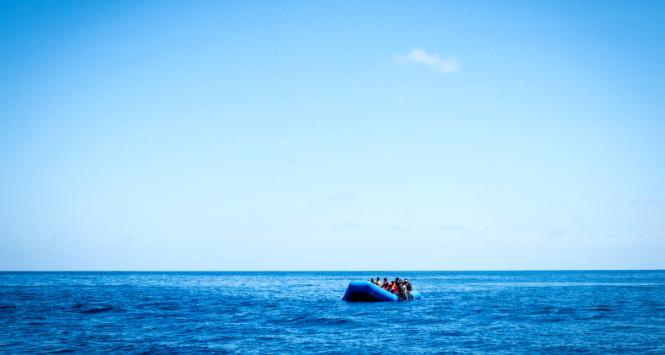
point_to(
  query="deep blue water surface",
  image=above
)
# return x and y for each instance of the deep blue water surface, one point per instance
(600, 311)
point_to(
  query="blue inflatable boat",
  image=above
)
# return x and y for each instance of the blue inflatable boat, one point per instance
(365, 291)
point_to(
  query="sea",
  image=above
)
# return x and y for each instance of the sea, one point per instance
(303, 312)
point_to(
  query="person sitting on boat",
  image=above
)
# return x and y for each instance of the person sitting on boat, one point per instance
(399, 289)
(408, 285)
(407, 289)
(403, 293)
(385, 285)
(378, 281)
(371, 280)
(391, 287)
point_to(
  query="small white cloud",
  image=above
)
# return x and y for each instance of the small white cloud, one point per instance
(556, 232)
(646, 199)
(447, 65)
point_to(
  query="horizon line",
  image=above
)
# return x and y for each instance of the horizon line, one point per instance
(330, 271)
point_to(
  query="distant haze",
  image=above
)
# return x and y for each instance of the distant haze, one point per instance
(330, 135)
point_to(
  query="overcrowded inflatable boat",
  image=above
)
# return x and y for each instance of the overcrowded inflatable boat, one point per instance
(365, 291)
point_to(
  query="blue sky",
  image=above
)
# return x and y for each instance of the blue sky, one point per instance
(455, 135)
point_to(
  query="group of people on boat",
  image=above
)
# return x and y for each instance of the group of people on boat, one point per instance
(401, 288)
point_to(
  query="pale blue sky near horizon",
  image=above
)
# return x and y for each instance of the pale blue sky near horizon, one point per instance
(293, 135)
